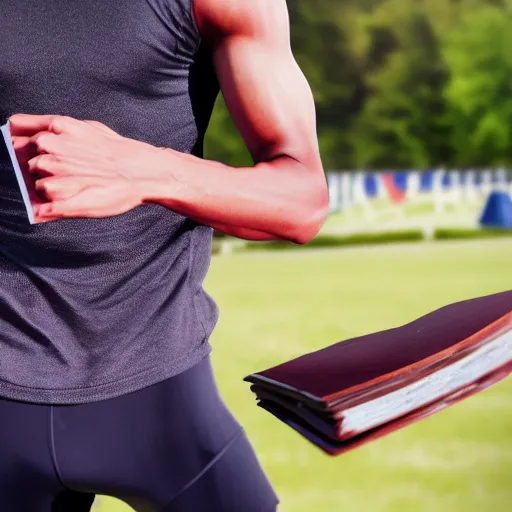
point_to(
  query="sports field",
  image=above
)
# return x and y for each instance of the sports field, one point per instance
(275, 306)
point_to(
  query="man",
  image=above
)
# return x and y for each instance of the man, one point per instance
(105, 375)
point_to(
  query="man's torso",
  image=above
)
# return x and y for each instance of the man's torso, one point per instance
(94, 308)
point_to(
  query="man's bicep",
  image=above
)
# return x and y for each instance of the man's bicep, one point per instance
(265, 90)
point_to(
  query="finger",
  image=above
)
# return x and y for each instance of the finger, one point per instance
(102, 127)
(36, 204)
(47, 165)
(24, 149)
(45, 142)
(91, 202)
(24, 152)
(58, 189)
(42, 220)
(36, 198)
(20, 141)
(65, 208)
(41, 166)
(28, 124)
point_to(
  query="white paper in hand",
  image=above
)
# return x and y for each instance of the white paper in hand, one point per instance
(6, 132)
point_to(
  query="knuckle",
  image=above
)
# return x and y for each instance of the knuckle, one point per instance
(42, 162)
(59, 124)
(47, 162)
(49, 187)
(40, 140)
(56, 159)
(41, 184)
(33, 163)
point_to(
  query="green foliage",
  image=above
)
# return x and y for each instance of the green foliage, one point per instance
(403, 121)
(223, 142)
(466, 234)
(399, 83)
(480, 89)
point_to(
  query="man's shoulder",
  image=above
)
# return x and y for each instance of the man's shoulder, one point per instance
(232, 17)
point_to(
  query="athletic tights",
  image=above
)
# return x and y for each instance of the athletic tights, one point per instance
(173, 446)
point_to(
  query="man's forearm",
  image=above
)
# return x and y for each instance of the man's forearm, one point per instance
(281, 199)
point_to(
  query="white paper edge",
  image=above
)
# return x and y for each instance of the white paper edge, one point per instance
(6, 132)
(491, 356)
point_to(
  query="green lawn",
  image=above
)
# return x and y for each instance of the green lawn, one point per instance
(275, 306)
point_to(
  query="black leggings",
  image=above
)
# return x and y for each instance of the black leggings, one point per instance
(172, 447)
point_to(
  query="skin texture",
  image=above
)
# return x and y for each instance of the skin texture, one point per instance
(283, 196)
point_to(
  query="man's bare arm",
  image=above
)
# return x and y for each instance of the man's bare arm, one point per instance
(285, 194)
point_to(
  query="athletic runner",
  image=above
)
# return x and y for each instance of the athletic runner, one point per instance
(105, 374)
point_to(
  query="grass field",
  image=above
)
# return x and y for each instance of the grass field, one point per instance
(275, 306)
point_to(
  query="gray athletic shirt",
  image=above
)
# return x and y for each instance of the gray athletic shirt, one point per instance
(91, 309)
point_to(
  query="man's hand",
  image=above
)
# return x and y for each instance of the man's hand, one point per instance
(79, 168)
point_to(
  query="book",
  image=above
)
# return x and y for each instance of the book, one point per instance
(6, 133)
(349, 393)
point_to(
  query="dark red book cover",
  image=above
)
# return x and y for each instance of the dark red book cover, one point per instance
(388, 379)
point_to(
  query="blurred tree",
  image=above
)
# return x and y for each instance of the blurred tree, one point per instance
(398, 83)
(480, 89)
(404, 120)
(323, 37)
(223, 143)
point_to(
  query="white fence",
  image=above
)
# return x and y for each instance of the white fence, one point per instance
(348, 189)
(426, 199)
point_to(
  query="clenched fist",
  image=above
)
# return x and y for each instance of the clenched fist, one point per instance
(76, 168)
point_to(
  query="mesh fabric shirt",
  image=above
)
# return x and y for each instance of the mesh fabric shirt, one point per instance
(91, 309)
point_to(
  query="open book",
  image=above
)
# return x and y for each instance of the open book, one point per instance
(349, 393)
(6, 133)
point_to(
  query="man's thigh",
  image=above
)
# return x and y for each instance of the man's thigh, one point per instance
(233, 482)
(28, 481)
(161, 447)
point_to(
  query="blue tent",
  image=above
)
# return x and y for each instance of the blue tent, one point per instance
(498, 211)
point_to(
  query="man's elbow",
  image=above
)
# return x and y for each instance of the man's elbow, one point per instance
(310, 218)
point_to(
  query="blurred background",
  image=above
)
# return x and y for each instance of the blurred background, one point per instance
(414, 105)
